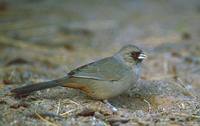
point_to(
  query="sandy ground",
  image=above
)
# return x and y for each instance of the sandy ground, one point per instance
(44, 39)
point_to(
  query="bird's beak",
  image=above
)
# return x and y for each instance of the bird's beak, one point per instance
(142, 56)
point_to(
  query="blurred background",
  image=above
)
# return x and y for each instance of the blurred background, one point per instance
(44, 39)
(63, 34)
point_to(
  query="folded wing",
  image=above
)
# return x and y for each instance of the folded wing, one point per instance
(108, 69)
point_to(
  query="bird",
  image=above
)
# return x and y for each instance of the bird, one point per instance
(102, 79)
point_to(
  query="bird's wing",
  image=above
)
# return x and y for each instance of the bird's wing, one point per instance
(108, 69)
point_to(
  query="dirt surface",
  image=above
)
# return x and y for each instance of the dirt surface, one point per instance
(42, 40)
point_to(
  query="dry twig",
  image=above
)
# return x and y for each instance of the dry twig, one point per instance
(45, 120)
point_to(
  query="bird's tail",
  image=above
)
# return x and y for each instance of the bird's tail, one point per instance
(38, 86)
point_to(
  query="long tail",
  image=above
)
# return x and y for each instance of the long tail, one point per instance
(39, 86)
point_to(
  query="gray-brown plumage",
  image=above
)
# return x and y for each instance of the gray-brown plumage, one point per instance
(101, 79)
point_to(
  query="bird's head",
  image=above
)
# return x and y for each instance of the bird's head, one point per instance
(131, 55)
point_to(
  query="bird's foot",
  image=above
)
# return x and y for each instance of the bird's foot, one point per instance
(113, 109)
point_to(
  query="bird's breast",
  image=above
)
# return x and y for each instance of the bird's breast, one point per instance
(136, 71)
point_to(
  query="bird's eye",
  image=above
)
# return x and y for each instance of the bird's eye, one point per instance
(135, 55)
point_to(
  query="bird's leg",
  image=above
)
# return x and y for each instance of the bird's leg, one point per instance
(113, 109)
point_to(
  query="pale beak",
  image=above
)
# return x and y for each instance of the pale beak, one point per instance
(142, 56)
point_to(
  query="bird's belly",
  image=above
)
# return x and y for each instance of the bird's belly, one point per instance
(102, 89)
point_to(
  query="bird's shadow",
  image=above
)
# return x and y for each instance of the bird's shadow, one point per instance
(150, 94)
